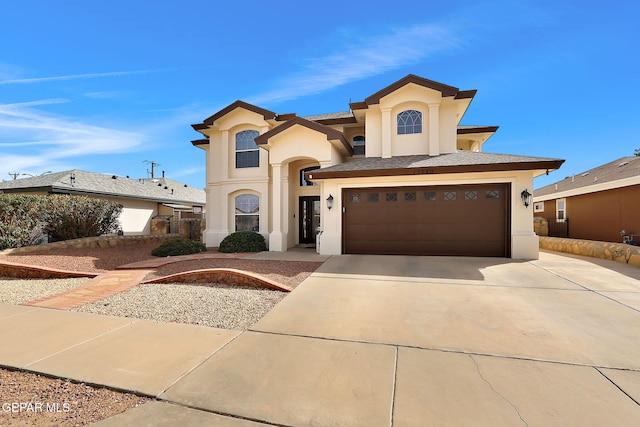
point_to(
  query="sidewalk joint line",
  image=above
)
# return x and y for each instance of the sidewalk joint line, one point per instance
(84, 342)
(197, 365)
(393, 388)
(617, 386)
(442, 350)
(588, 289)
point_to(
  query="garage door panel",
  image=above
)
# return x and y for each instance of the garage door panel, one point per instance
(446, 220)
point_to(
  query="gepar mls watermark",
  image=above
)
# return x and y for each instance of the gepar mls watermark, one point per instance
(37, 407)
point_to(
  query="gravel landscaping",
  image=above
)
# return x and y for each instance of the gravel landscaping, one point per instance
(213, 305)
(19, 291)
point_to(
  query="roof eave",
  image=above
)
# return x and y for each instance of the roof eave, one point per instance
(542, 165)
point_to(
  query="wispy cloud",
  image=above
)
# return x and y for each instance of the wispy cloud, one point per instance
(73, 77)
(360, 56)
(32, 139)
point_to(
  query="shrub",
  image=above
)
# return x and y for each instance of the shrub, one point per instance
(73, 217)
(179, 246)
(21, 219)
(243, 241)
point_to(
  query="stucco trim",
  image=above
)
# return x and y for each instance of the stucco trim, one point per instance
(238, 104)
(446, 90)
(331, 134)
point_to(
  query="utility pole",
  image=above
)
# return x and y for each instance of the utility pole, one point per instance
(14, 175)
(153, 166)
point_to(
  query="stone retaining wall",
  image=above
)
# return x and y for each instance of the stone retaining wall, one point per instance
(94, 242)
(620, 252)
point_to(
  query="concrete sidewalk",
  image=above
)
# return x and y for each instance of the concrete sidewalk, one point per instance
(370, 340)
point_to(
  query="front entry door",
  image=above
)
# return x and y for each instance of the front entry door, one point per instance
(309, 218)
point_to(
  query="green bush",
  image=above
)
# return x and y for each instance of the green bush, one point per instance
(179, 246)
(21, 219)
(73, 217)
(26, 218)
(243, 241)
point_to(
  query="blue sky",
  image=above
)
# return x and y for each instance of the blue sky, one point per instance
(104, 87)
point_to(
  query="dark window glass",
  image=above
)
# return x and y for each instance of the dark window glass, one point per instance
(409, 121)
(373, 197)
(409, 197)
(450, 195)
(471, 195)
(391, 197)
(358, 145)
(429, 195)
(247, 212)
(247, 154)
(355, 198)
(304, 182)
(492, 194)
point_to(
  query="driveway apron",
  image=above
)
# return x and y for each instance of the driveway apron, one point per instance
(378, 340)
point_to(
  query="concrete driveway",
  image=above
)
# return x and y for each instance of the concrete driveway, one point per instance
(378, 340)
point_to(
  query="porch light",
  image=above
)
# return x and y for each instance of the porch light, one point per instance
(526, 198)
(329, 202)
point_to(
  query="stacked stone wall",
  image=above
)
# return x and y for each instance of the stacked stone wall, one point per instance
(94, 242)
(619, 252)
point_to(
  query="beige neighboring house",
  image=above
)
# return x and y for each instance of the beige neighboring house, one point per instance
(143, 199)
(396, 174)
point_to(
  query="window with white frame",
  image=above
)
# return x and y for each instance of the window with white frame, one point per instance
(247, 151)
(409, 121)
(561, 209)
(358, 145)
(538, 207)
(247, 212)
(304, 182)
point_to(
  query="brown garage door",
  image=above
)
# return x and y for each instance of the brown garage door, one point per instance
(468, 220)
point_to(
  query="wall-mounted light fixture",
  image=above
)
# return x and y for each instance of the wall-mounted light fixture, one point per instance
(526, 198)
(329, 202)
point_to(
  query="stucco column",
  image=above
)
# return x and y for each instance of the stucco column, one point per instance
(277, 237)
(434, 129)
(386, 132)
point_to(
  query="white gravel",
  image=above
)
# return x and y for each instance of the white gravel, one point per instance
(213, 305)
(18, 291)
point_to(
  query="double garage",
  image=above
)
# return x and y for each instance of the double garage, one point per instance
(458, 220)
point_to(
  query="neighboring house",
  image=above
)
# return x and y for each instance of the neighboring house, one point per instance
(143, 199)
(397, 174)
(597, 204)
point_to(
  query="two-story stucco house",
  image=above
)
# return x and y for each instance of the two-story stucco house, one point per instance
(397, 174)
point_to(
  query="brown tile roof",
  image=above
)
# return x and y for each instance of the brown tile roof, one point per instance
(625, 167)
(459, 162)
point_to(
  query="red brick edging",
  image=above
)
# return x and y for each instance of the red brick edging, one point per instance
(21, 271)
(229, 276)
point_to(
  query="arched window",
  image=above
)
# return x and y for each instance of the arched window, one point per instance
(247, 152)
(409, 121)
(247, 212)
(358, 145)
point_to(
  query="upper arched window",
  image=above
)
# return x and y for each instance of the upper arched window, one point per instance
(409, 121)
(247, 151)
(358, 145)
